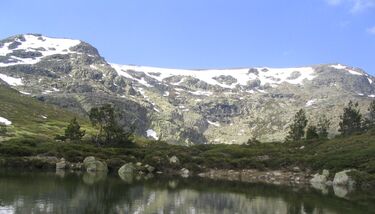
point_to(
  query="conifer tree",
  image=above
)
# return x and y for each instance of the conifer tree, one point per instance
(351, 120)
(311, 133)
(73, 131)
(297, 128)
(322, 128)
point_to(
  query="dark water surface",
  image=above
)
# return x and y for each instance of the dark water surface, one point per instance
(46, 192)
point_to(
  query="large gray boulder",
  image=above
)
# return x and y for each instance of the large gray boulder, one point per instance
(126, 172)
(93, 165)
(344, 179)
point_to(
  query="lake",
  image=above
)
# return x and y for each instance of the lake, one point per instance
(49, 192)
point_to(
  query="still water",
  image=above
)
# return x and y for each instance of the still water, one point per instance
(43, 192)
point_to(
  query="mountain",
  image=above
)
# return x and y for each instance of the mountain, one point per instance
(181, 106)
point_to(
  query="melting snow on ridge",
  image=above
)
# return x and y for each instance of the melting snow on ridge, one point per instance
(5, 121)
(11, 80)
(152, 133)
(270, 75)
(310, 102)
(35, 43)
(343, 67)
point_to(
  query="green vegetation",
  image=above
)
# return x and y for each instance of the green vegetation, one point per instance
(3, 129)
(351, 120)
(297, 128)
(110, 132)
(73, 131)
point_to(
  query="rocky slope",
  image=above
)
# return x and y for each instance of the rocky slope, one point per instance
(181, 106)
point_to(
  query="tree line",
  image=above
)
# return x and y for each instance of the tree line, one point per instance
(351, 122)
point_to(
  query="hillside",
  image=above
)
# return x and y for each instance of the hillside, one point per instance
(181, 106)
(30, 118)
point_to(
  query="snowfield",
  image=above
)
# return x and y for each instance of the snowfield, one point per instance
(272, 76)
(45, 45)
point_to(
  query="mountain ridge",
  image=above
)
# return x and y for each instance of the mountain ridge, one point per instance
(180, 105)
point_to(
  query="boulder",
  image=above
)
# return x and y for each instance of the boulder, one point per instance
(126, 172)
(149, 168)
(174, 160)
(92, 165)
(343, 179)
(184, 173)
(318, 178)
(61, 164)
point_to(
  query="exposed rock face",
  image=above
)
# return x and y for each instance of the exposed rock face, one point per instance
(182, 106)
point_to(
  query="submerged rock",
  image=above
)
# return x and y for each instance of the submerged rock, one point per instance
(184, 173)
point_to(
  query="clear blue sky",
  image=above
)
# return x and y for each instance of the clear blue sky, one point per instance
(206, 33)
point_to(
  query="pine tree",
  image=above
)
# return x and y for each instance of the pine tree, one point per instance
(109, 130)
(73, 131)
(311, 133)
(351, 120)
(297, 128)
(322, 128)
(371, 117)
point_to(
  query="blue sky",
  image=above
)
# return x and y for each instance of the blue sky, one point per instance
(207, 33)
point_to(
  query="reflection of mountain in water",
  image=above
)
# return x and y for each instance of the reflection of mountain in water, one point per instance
(90, 193)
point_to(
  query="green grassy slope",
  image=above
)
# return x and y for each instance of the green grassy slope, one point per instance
(33, 118)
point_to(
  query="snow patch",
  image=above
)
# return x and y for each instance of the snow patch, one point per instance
(371, 95)
(151, 133)
(5, 121)
(11, 80)
(343, 67)
(25, 93)
(369, 80)
(310, 102)
(213, 123)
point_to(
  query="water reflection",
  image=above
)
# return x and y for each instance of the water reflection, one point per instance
(99, 193)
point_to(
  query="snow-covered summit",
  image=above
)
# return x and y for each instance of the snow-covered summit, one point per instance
(31, 48)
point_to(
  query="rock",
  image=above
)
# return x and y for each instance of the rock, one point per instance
(325, 172)
(126, 172)
(61, 164)
(174, 160)
(149, 168)
(138, 164)
(92, 165)
(296, 169)
(343, 179)
(88, 159)
(263, 157)
(318, 179)
(329, 183)
(184, 173)
(93, 177)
